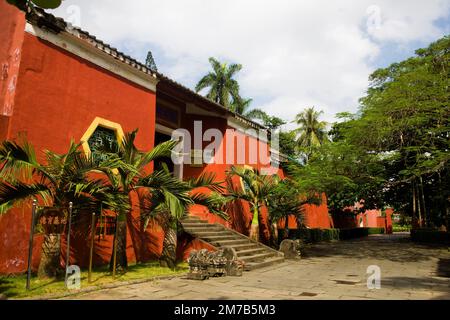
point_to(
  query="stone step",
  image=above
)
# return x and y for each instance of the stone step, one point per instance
(211, 233)
(221, 237)
(258, 257)
(202, 229)
(198, 225)
(266, 263)
(230, 243)
(249, 252)
(249, 245)
(192, 221)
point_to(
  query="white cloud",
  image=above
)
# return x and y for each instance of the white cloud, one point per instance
(295, 53)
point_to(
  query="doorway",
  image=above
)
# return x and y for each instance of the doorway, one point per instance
(163, 134)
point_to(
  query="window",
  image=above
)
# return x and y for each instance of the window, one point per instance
(102, 140)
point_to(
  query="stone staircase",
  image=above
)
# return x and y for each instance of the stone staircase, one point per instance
(254, 254)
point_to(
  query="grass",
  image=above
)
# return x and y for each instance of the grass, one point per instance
(14, 286)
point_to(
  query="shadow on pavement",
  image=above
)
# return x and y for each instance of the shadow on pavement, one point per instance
(381, 247)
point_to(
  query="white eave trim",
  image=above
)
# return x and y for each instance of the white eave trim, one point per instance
(247, 130)
(80, 48)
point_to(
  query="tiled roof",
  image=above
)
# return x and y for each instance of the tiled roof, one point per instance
(54, 24)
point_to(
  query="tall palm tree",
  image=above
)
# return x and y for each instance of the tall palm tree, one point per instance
(222, 87)
(62, 179)
(311, 132)
(255, 190)
(241, 106)
(126, 179)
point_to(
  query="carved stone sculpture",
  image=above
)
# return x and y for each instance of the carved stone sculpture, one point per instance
(204, 264)
(290, 248)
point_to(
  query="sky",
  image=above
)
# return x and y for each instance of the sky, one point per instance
(295, 53)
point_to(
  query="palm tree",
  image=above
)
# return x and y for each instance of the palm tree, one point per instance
(241, 106)
(256, 189)
(126, 178)
(61, 180)
(223, 88)
(168, 202)
(45, 4)
(311, 132)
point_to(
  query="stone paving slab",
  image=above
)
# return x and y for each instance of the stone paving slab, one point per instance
(334, 270)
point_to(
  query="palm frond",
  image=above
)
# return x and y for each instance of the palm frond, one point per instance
(160, 151)
(206, 180)
(17, 192)
(215, 203)
(17, 161)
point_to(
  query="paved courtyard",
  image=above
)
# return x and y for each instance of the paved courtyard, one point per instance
(328, 271)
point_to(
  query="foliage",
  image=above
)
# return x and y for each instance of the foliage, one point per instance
(256, 187)
(223, 88)
(395, 150)
(311, 133)
(150, 62)
(345, 173)
(45, 4)
(287, 199)
(407, 115)
(241, 106)
(62, 179)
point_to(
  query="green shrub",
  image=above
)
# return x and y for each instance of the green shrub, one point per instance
(430, 236)
(318, 235)
(398, 228)
(376, 230)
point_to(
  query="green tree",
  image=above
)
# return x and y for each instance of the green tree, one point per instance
(130, 177)
(311, 132)
(398, 141)
(45, 4)
(168, 202)
(285, 200)
(242, 107)
(63, 178)
(288, 145)
(223, 88)
(406, 112)
(255, 190)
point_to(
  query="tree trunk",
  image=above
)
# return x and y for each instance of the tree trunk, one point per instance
(418, 206)
(121, 255)
(286, 228)
(422, 198)
(254, 228)
(444, 212)
(169, 252)
(275, 234)
(414, 209)
(49, 265)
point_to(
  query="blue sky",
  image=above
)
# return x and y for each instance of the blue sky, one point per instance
(295, 54)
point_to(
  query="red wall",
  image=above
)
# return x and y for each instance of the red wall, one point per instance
(12, 24)
(57, 97)
(315, 216)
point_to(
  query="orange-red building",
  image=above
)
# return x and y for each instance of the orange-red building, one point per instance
(60, 83)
